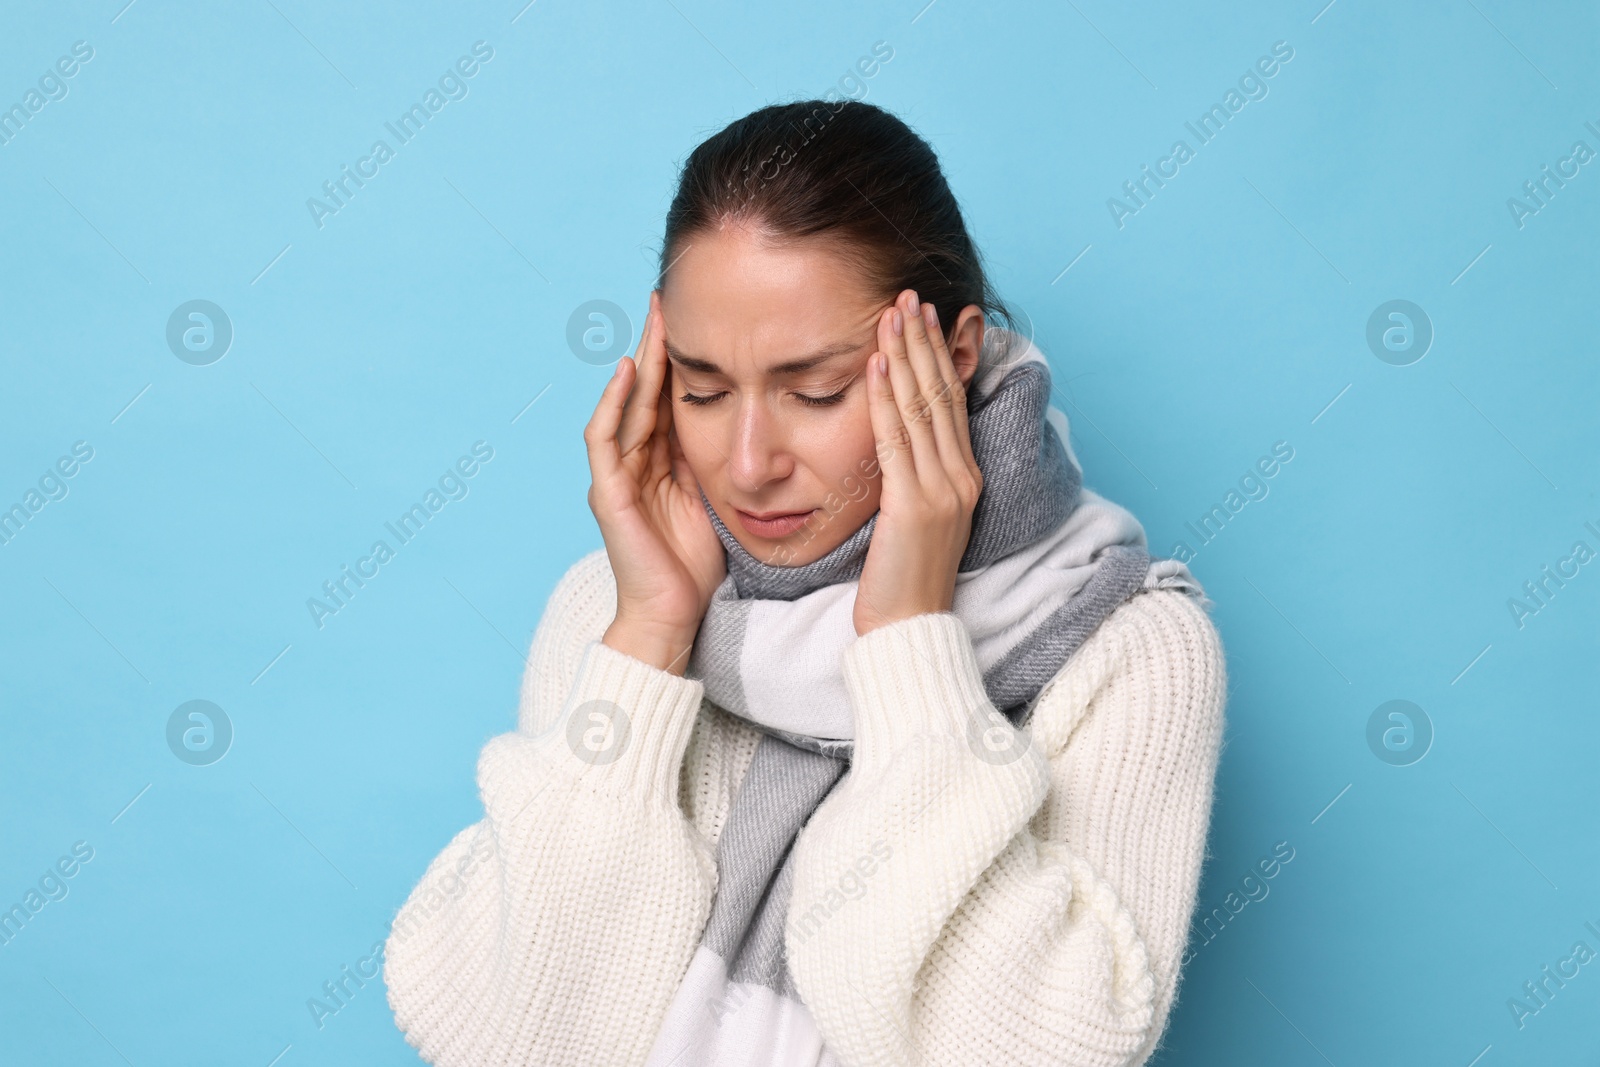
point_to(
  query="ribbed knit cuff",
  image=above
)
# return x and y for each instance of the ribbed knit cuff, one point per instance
(626, 723)
(913, 677)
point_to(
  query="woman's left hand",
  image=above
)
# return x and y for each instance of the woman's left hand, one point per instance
(931, 481)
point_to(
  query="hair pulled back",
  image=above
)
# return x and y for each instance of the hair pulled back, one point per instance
(845, 171)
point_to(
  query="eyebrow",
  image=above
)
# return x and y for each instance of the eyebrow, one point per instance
(793, 366)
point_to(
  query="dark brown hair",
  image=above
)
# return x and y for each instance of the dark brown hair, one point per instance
(847, 171)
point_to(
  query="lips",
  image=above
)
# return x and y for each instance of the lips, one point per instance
(773, 523)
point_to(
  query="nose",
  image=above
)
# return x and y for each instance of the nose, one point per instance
(759, 454)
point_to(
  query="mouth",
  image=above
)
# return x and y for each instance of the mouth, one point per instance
(773, 523)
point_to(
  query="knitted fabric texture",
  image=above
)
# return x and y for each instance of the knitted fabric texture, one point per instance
(1019, 901)
(1046, 560)
(1045, 563)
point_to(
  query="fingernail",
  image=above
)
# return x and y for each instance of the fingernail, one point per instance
(915, 304)
(881, 361)
(930, 316)
(898, 323)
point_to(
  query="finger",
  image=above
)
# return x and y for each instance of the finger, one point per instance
(912, 406)
(935, 384)
(682, 473)
(660, 447)
(919, 347)
(888, 428)
(957, 391)
(639, 417)
(942, 356)
(963, 426)
(600, 434)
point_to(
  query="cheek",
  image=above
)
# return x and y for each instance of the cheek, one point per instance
(698, 437)
(843, 459)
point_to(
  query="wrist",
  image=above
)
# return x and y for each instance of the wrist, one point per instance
(868, 617)
(665, 648)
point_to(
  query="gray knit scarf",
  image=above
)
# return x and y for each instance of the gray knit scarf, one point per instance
(1046, 562)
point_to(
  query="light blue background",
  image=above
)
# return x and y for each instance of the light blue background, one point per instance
(1223, 317)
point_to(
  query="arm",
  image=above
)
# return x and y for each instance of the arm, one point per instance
(1030, 910)
(525, 940)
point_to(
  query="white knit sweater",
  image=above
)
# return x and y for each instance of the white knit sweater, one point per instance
(1030, 912)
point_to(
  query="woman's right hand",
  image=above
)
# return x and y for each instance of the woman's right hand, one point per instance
(665, 555)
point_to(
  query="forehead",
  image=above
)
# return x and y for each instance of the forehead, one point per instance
(731, 296)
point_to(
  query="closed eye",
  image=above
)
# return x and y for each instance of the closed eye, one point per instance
(810, 401)
(821, 401)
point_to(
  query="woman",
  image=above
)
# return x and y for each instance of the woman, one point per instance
(871, 736)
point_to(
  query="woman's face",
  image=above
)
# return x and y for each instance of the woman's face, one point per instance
(768, 347)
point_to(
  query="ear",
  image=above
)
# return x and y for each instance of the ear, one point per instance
(965, 341)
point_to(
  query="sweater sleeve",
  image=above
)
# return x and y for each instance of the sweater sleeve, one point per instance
(555, 930)
(972, 893)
